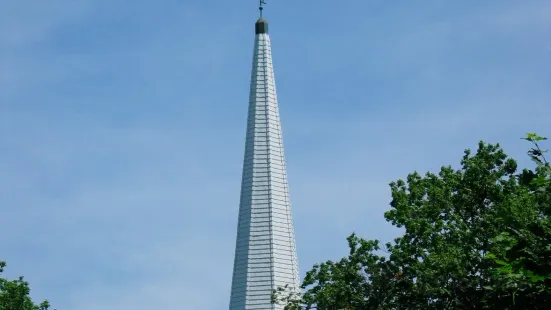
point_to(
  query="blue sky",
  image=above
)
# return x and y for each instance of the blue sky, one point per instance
(122, 128)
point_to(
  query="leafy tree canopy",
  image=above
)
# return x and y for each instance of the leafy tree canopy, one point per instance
(14, 294)
(475, 238)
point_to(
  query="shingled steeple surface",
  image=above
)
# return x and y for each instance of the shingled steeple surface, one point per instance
(265, 251)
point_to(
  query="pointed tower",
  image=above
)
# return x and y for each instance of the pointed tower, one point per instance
(265, 252)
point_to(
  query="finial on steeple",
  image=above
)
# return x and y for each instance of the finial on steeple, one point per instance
(261, 7)
(261, 25)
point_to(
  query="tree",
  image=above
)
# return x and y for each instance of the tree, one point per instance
(523, 252)
(14, 294)
(475, 238)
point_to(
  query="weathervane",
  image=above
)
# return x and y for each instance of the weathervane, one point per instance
(261, 7)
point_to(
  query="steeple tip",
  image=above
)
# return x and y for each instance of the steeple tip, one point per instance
(261, 26)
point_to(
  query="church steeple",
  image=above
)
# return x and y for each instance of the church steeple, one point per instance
(265, 251)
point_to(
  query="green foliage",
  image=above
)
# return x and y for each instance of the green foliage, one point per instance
(474, 238)
(522, 252)
(14, 294)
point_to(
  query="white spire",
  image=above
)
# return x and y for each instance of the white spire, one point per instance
(265, 251)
